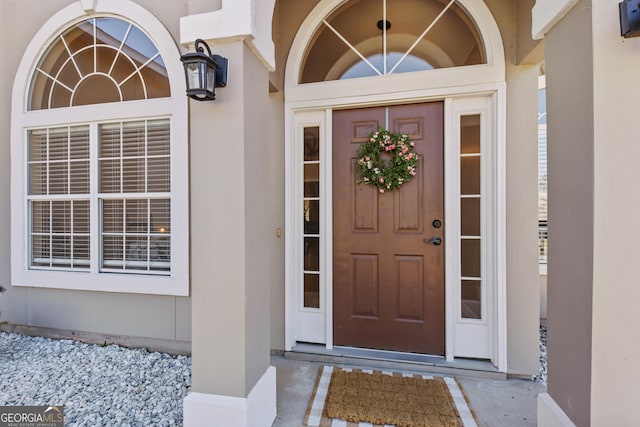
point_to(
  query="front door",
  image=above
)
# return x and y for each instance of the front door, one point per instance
(388, 283)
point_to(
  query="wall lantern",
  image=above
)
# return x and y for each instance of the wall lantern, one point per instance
(204, 72)
(629, 18)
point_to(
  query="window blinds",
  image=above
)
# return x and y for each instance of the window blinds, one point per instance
(134, 183)
(133, 203)
(58, 197)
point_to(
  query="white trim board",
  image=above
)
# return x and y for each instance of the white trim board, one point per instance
(550, 414)
(485, 338)
(546, 14)
(248, 20)
(258, 409)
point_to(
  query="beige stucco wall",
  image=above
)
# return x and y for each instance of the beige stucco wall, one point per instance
(218, 271)
(570, 124)
(232, 206)
(288, 16)
(276, 178)
(615, 348)
(5, 207)
(522, 198)
(156, 317)
(528, 51)
(203, 6)
(593, 166)
(261, 239)
(522, 221)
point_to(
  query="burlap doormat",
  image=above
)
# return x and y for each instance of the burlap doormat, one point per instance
(351, 397)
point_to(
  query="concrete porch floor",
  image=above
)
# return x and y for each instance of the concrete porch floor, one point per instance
(497, 403)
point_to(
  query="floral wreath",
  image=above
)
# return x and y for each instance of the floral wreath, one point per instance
(386, 175)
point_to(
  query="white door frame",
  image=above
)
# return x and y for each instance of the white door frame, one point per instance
(312, 104)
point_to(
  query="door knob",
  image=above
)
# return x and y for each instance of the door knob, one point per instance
(434, 241)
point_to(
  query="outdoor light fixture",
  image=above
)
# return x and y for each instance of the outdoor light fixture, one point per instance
(629, 18)
(204, 72)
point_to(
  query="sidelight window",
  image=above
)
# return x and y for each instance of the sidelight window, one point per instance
(311, 201)
(470, 218)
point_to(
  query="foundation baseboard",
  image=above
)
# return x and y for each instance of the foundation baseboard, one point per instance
(151, 344)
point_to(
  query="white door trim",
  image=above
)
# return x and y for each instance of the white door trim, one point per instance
(472, 337)
(488, 103)
(449, 84)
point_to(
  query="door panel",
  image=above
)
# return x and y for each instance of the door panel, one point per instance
(365, 286)
(389, 284)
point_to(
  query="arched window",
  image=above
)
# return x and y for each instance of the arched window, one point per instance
(363, 38)
(98, 60)
(102, 145)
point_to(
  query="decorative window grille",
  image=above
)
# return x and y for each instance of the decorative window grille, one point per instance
(96, 61)
(436, 34)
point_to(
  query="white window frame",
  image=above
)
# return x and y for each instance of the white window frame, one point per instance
(474, 337)
(174, 108)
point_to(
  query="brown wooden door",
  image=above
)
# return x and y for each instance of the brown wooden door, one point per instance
(388, 284)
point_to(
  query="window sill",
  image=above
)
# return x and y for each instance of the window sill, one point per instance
(102, 282)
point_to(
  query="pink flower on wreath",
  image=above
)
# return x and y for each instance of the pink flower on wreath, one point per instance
(367, 158)
(382, 190)
(412, 144)
(381, 179)
(409, 168)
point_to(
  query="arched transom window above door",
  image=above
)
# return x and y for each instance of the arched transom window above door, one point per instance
(98, 60)
(363, 38)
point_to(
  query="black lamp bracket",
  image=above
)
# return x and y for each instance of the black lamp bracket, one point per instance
(198, 45)
(629, 18)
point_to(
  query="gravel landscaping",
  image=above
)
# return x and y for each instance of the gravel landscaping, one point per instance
(107, 385)
(543, 355)
(98, 385)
